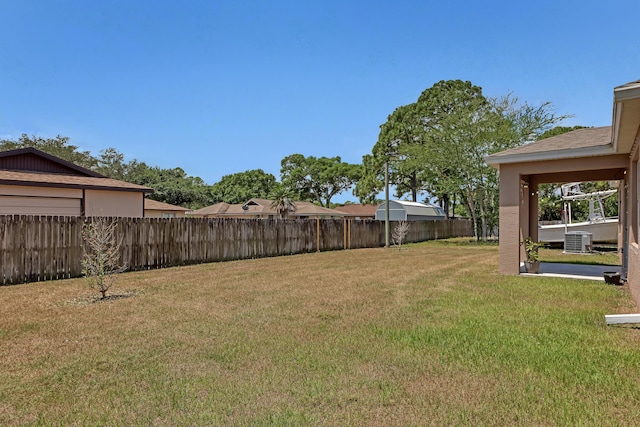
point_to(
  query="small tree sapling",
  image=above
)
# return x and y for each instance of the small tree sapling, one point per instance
(400, 232)
(101, 262)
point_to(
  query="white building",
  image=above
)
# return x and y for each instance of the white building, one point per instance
(400, 210)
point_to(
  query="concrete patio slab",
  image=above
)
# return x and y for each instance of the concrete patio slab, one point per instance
(572, 271)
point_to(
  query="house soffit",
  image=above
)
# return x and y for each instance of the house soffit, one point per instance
(580, 143)
(626, 117)
(570, 153)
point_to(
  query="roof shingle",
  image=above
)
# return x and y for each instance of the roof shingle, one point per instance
(59, 180)
(580, 138)
(162, 206)
(358, 210)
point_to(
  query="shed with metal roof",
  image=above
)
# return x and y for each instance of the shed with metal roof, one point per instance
(400, 210)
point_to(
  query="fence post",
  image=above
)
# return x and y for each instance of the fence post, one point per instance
(38, 249)
(344, 233)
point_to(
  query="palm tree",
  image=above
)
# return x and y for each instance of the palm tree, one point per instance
(282, 202)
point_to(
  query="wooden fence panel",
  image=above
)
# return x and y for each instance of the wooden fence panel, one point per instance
(6, 265)
(36, 248)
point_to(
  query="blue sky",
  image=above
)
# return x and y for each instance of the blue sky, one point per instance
(218, 87)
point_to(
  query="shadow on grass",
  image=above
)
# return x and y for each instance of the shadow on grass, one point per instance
(579, 261)
(92, 299)
(462, 241)
(593, 258)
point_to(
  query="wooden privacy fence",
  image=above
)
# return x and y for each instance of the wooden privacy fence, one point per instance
(35, 248)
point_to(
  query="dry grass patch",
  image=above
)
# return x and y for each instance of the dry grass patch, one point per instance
(426, 335)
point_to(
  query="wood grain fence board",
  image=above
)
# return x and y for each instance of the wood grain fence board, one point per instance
(43, 248)
(4, 251)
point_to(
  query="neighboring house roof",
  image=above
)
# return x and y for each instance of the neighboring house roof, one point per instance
(258, 201)
(69, 181)
(358, 210)
(217, 209)
(262, 207)
(226, 209)
(628, 85)
(585, 142)
(32, 167)
(306, 208)
(32, 159)
(155, 205)
(255, 206)
(249, 209)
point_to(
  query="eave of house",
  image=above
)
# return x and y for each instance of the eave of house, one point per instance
(143, 190)
(599, 150)
(626, 116)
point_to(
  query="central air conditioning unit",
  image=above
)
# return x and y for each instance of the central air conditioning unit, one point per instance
(578, 242)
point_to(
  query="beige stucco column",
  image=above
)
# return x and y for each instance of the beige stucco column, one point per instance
(623, 209)
(532, 224)
(519, 197)
(510, 219)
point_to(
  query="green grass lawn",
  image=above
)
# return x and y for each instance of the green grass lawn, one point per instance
(429, 335)
(601, 258)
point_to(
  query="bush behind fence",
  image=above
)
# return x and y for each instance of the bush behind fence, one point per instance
(35, 248)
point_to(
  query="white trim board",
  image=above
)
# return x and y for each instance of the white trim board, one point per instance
(613, 319)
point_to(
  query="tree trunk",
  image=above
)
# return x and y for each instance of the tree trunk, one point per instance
(471, 208)
(483, 221)
(414, 187)
(453, 207)
(445, 204)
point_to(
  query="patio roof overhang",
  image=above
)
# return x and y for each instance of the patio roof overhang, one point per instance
(589, 154)
(570, 153)
(590, 142)
(573, 169)
(626, 116)
(581, 143)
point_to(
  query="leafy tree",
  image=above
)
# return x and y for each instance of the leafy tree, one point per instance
(550, 205)
(242, 186)
(401, 143)
(558, 130)
(170, 185)
(176, 187)
(371, 182)
(399, 147)
(58, 146)
(439, 144)
(317, 179)
(455, 114)
(111, 163)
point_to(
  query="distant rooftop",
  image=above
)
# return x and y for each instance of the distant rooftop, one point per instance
(627, 85)
(258, 206)
(162, 206)
(358, 210)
